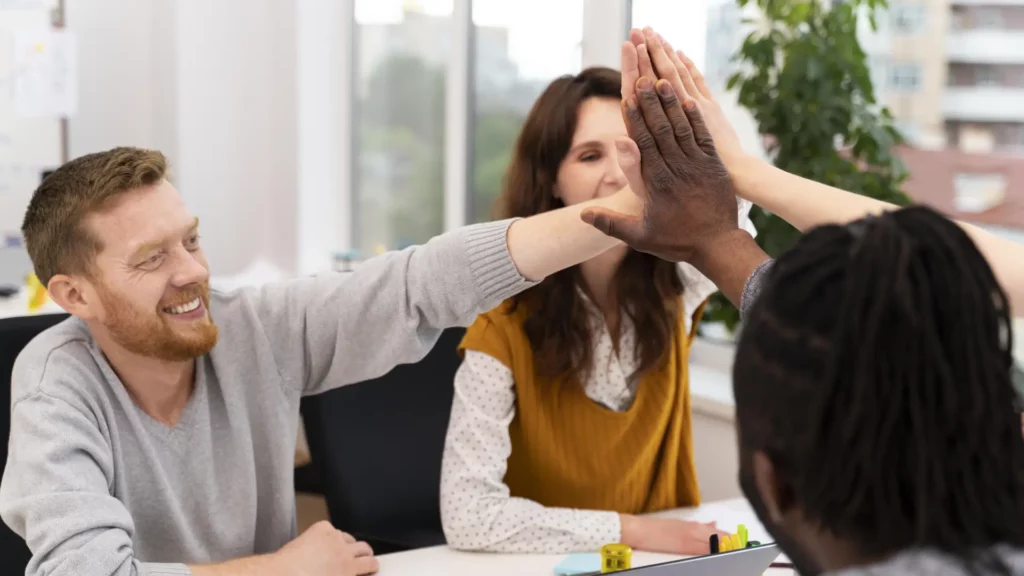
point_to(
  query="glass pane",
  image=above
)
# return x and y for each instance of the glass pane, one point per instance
(684, 24)
(402, 52)
(517, 54)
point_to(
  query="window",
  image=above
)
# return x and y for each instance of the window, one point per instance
(905, 77)
(986, 76)
(402, 50)
(685, 23)
(988, 18)
(907, 18)
(978, 192)
(516, 56)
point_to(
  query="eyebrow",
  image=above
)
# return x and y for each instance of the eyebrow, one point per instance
(587, 144)
(150, 246)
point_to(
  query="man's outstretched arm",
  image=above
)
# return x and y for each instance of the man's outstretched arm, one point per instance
(335, 329)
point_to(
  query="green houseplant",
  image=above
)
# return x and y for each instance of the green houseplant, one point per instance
(805, 79)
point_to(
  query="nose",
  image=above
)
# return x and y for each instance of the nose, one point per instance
(613, 174)
(189, 268)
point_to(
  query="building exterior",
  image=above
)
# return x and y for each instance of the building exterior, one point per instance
(952, 72)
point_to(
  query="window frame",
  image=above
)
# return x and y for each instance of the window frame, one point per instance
(605, 25)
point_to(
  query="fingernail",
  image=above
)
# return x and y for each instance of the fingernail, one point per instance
(644, 83)
(664, 88)
(631, 103)
(623, 148)
(690, 104)
(648, 31)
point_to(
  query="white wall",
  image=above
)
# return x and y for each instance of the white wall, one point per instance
(27, 145)
(212, 85)
(237, 114)
(117, 63)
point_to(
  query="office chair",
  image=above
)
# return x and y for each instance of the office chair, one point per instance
(15, 333)
(378, 445)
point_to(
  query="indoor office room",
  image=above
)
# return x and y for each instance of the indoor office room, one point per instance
(446, 287)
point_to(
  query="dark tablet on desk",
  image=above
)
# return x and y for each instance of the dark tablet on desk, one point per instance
(745, 562)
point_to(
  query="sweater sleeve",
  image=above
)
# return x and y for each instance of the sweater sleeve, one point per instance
(341, 328)
(753, 287)
(55, 494)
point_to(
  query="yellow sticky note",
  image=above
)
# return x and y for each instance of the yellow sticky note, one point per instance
(36, 293)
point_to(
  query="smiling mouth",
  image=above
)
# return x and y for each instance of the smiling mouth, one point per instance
(185, 308)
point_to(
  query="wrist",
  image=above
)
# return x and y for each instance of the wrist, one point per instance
(728, 260)
(745, 170)
(629, 528)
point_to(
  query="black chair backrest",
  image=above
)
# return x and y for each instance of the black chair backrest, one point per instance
(15, 333)
(378, 447)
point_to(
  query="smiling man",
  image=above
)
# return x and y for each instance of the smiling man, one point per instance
(154, 432)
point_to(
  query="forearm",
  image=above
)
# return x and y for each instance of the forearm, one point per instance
(806, 204)
(477, 510)
(790, 197)
(265, 565)
(507, 525)
(547, 243)
(729, 262)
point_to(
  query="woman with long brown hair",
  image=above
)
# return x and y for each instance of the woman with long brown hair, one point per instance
(571, 414)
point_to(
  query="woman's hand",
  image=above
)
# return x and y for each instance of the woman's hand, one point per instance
(648, 54)
(667, 535)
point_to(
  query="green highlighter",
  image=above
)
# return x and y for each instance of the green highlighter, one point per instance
(744, 535)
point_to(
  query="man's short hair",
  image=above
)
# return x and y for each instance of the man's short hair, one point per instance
(54, 231)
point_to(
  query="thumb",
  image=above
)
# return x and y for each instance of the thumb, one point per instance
(629, 229)
(629, 163)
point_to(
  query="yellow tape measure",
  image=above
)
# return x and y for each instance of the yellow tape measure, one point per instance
(615, 557)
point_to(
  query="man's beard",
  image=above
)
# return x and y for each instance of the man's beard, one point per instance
(802, 562)
(151, 335)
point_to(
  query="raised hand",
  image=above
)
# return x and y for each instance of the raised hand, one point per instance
(647, 53)
(689, 201)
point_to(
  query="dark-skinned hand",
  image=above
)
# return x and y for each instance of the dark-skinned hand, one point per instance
(689, 201)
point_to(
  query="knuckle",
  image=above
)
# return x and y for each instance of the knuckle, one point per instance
(644, 141)
(662, 179)
(649, 98)
(681, 128)
(671, 97)
(663, 130)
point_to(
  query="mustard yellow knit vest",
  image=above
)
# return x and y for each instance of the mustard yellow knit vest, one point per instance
(568, 451)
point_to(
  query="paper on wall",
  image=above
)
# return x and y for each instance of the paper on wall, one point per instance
(45, 73)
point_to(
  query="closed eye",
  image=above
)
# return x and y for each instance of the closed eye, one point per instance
(152, 262)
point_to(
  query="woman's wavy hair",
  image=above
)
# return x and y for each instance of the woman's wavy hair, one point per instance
(647, 288)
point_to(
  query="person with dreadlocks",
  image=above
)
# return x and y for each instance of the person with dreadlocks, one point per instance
(874, 406)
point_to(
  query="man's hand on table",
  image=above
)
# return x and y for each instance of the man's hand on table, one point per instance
(323, 550)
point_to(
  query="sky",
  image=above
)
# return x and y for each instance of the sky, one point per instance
(544, 35)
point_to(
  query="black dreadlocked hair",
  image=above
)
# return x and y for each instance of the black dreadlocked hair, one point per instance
(875, 372)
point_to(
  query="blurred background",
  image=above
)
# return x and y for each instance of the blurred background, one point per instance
(309, 134)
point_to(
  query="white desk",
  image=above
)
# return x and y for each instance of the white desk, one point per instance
(443, 561)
